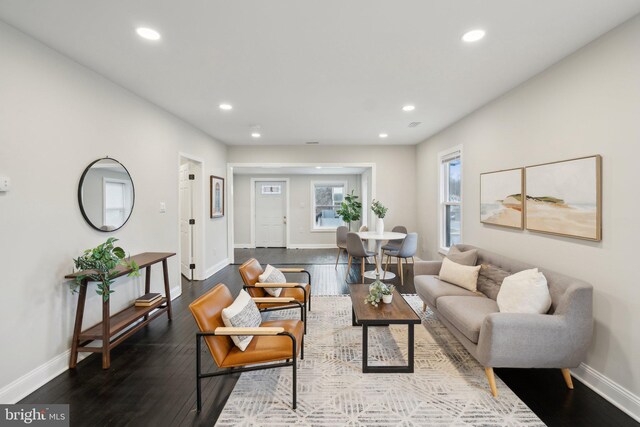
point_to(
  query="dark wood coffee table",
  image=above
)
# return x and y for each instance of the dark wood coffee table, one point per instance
(398, 312)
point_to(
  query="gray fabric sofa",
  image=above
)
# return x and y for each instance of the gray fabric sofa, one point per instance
(558, 339)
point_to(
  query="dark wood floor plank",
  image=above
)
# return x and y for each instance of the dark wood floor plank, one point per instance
(152, 377)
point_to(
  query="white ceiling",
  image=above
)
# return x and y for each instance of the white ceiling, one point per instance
(333, 71)
(298, 170)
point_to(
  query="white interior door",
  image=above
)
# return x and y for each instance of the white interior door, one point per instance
(270, 214)
(186, 213)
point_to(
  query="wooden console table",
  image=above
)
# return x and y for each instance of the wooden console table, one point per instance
(113, 325)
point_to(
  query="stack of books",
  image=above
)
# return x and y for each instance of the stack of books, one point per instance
(147, 300)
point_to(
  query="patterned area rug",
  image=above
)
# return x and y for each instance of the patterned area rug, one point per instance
(448, 387)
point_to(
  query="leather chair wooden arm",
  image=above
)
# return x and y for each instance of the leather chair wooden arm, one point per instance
(299, 270)
(273, 341)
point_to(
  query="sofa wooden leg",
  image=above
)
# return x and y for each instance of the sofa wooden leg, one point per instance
(424, 306)
(566, 373)
(492, 381)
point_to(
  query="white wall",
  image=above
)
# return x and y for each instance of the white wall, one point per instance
(300, 233)
(587, 104)
(395, 170)
(55, 118)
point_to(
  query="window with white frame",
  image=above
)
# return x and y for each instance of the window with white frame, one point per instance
(326, 198)
(114, 213)
(450, 198)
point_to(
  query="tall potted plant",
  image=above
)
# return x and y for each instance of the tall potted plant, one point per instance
(100, 265)
(350, 209)
(380, 211)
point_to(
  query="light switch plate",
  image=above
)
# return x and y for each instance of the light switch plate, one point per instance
(163, 207)
(5, 183)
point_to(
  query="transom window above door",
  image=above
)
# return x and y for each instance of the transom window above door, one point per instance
(326, 198)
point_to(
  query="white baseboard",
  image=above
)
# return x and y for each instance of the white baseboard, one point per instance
(244, 246)
(175, 292)
(31, 381)
(312, 246)
(215, 268)
(619, 396)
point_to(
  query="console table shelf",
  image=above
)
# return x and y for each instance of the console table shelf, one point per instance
(112, 325)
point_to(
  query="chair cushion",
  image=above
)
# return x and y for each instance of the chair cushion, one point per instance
(243, 313)
(297, 293)
(391, 246)
(290, 293)
(264, 349)
(430, 288)
(467, 313)
(272, 275)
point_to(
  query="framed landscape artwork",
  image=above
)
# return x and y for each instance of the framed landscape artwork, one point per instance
(501, 198)
(565, 198)
(216, 193)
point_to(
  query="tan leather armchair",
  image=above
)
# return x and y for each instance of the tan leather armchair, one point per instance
(273, 341)
(250, 272)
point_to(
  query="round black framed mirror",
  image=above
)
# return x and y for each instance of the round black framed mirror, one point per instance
(106, 194)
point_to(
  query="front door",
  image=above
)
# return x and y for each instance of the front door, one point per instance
(270, 214)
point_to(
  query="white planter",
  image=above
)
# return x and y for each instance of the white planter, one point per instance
(387, 299)
(379, 226)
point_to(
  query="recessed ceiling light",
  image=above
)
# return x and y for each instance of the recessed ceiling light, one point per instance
(225, 106)
(383, 135)
(148, 33)
(318, 167)
(408, 108)
(473, 36)
(255, 134)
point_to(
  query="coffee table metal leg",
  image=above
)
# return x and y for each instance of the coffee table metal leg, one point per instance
(407, 369)
(365, 349)
(410, 352)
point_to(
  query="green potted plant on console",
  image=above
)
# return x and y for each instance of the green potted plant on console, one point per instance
(100, 264)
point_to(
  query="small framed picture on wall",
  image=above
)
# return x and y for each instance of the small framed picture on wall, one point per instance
(216, 192)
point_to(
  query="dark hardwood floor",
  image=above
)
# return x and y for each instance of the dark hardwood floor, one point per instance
(151, 380)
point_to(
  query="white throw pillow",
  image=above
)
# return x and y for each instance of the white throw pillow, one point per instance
(459, 275)
(243, 313)
(272, 275)
(524, 292)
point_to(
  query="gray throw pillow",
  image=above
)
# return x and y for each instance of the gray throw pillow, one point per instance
(490, 279)
(272, 275)
(468, 258)
(243, 313)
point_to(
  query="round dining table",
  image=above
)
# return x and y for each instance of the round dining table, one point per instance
(379, 238)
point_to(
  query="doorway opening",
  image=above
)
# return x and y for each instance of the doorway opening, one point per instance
(312, 193)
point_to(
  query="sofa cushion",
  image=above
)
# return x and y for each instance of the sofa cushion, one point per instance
(469, 257)
(490, 279)
(461, 275)
(430, 288)
(524, 292)
(467, 313)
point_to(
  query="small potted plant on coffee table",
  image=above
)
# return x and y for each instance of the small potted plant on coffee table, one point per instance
(387, 294)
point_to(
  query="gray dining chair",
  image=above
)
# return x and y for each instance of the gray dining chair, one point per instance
(341, 241)
(406, 250)
(356, 249)
(394, 245)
